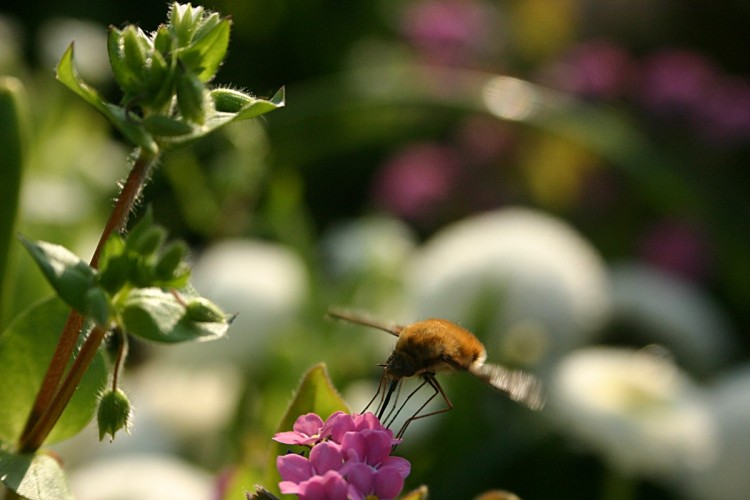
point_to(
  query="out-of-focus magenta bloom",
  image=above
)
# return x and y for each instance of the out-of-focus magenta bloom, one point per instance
(596, 69)
(723, 117)
(676, 81)
(677, 247)
(417, 181)
(349, 459)
(686, 86)
(448, 32)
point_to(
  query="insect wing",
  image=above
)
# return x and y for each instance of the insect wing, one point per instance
(521, 386)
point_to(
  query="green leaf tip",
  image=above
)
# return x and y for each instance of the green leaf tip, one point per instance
(168, 317)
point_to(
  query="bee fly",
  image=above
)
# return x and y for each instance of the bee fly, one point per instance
(430, 346)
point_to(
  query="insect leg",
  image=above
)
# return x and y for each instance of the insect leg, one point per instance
(429, 378)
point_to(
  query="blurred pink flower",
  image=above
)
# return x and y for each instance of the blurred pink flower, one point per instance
(448, 32)
(349, 458)
(676, 81)
(596, 69)
(415, 182)
(676, 247)
(724, 115)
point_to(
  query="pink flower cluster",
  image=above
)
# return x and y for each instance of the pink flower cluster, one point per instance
(349, 459)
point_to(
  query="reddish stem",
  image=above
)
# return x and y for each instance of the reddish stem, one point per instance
(39, 432)
(45, 412)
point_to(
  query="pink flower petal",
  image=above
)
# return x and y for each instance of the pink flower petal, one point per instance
(388, 483)
(367, 421)
(337, 425)
(290, 437)
(308, 424)
(289, 487)
(378, 445)
(326, 456)
(326, 487)
(293, 467)
(361, 476)
(402, 465)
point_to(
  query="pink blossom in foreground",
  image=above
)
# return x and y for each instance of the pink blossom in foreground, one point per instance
(349, 459)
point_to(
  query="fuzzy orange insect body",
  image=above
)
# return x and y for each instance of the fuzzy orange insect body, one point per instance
(434, 345)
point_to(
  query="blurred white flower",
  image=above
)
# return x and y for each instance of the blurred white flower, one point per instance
(141, 477)
(264, 283)
(372, 244)
(545, 288)
(662, 308)
(635, 408)
(90, 45)
(188, 400)
(727, 477)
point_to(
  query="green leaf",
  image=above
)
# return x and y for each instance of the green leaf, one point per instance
(315, 394)
(159, 316)
(207, 52)
(36, 477)
(26, 348)
(14, 115)
(68, 75)
(263, 106)
(72, 278)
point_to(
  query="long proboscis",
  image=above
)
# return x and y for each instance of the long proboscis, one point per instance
(520, 386)
(364, 320)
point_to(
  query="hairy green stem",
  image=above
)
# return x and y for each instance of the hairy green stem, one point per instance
(54, 394)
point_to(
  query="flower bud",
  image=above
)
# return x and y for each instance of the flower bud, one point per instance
(128, 78)
(147, 242)
(201, 310)
(184, 19)
(114, 413)
(230, 100)
(191, 97)
(169, 261)
(164, 126)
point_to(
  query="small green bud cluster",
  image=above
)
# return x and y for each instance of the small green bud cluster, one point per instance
(163, 75)
(142, 259)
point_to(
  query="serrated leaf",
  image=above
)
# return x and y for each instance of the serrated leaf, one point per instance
(26, 347)
(156, 315)
(315, 394)
(68, 75)
(35, 477)
(72, 278)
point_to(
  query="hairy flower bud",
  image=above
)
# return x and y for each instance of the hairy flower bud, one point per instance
(114, 413)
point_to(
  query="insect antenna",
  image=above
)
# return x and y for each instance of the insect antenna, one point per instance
(361, 319)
